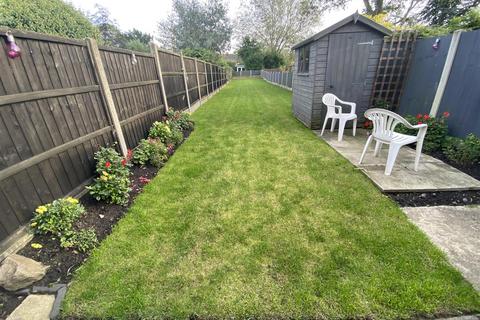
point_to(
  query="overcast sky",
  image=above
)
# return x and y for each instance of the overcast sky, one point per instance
(145, 14)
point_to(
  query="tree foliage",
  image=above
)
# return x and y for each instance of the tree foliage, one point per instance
(279, 24)
(251, 54)
(111, 35)
(53, 17)
(440, 12)
(395, 12)
(272, 59)
(194, 24)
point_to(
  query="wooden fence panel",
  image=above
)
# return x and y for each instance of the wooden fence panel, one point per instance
(54, 114)
(135, 90)
(173, 80)
(44, 155)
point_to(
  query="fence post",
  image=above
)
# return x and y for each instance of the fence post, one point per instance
(185, 81)
(106, 93)
(206, 77)
(198, 83)
(447, 67)
(158, 67)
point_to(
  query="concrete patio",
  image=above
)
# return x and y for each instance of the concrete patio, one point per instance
(432, 175)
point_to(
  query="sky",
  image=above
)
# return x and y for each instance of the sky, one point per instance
(145, 14)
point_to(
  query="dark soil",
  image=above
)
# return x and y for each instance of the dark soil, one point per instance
(442, 198)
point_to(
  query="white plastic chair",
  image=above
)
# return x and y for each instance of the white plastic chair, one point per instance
(329, 99)
(384, 123)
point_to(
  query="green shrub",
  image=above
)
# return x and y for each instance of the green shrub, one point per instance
(465, 152)
(54, 17)
(160, 130)
(113, 183)
(142, 153)
(83, 240)
(436, 132)
(159, 153)
(176, 137)
(57, 218)
(180, 120)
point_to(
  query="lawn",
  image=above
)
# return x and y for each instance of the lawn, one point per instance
(254, 216)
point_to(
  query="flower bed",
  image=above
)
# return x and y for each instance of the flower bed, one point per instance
(98, 216)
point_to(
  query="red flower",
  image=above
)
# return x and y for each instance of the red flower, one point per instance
(446, 114)
(124, 162)
(419, 122)
(108, 164)
(419, 116)
(129, 154)
(426, 117)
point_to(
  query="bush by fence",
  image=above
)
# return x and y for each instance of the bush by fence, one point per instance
(63, 99)
(281, 78)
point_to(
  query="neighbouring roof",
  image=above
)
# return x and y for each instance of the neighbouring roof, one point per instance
(356, 17)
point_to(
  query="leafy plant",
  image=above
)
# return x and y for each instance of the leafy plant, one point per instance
(57, 218)
(160, 130)
(436, 132)
(176, 137)
(159, 153)
(180, 120)
(112, 183)
(84, 240)
(465, 152)
(143, 152)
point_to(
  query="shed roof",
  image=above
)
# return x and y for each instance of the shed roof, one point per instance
(356, 17)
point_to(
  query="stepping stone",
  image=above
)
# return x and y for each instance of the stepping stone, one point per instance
(34, 307)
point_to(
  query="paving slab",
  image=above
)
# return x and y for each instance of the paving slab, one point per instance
(456, 231)
(432, 175)
(34, 307)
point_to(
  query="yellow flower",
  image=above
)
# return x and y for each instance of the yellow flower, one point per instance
(105, 173)
(72, 200)
(41, 209)
(36, 246)
(103, 178)
(33, 224)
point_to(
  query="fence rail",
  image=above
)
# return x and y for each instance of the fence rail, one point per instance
(63, 99)
(283, 79)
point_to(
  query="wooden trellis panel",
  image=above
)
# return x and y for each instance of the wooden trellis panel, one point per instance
(392, 69)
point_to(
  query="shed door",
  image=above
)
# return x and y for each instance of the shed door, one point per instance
(347, 66)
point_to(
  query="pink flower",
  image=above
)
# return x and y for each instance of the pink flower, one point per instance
(446, 114)
(419, 116)
(124, 162)
(144, 180)
(419, 122)
(426, 117)
(108, 164)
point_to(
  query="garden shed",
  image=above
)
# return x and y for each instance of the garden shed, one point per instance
(341, 59)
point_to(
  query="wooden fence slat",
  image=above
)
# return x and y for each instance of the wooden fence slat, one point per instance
(185, 80)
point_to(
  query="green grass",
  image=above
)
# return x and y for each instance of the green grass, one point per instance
(256, 216)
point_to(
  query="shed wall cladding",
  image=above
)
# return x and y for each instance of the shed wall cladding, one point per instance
(303, 88)
(343, 62)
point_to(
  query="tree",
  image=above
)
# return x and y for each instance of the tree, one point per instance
(440, 12)
(272, 59)
(109, 31)
(251, 54)
(279, 24)
(194, 24)
(111, 35)
(394, 12)
(53, 17)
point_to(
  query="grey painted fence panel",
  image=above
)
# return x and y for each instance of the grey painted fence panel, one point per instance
(461, 97)
(280, 78)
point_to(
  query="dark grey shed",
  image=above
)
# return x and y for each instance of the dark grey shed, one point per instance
(341, 59)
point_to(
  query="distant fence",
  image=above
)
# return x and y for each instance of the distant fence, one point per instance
(281, 78)
(64, 98)
(246, 73)
(446, 78)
